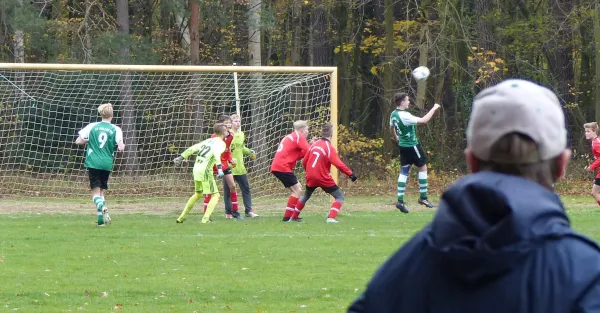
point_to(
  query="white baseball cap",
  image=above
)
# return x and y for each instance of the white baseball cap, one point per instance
(519, 106)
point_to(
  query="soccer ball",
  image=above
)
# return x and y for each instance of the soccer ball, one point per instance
(421, 73)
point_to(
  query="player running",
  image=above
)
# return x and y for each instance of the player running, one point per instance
(208, 155)
(292, 148)
(226, 160)
(238, 151)
(317, 163)
(402, 125)
(101, 138)
(591, 133)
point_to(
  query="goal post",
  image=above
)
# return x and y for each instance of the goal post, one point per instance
(162, 111)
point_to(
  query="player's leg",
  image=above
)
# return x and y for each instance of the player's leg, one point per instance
(301, 203)
(103, 188)
(290, 181)
(226, 199)
(212, 192)
(242, 181)
(191, 201)
(336, 206)
(405, 163)
(421, 162)
(95, 189)
(232, 194)
(596, 190)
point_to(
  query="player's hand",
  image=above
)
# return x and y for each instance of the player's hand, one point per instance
(436, 106)
(252, 154)
(233, 163)
(220, 173)
(353, 177)
(178, 160)
(589, 169)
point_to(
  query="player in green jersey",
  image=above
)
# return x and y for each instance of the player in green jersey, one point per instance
(208, 154)
(402, 125)
(101, 139)
(238, 152)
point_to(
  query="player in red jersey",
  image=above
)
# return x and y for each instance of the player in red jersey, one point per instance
(292, 148)
(591, 133)
(226, 160)
(317, 163)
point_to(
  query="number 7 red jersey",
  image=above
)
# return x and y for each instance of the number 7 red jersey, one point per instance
(317, 164)
(225, 156)
(292, 148)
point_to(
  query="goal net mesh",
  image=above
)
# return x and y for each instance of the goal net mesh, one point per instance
(160, 113)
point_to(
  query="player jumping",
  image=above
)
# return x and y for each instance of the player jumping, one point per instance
(208, 155)
(292, 148)
(317, 163)
(402, 125)
(101, 138)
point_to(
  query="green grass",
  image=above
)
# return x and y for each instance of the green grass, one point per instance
(148, 263)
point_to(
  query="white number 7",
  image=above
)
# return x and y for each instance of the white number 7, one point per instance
(316, 159)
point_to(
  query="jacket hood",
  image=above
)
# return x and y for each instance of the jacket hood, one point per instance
(487, 223)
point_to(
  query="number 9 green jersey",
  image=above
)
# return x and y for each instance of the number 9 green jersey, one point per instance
(103, 137)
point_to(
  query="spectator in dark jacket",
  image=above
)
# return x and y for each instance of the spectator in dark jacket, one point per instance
(500, 240)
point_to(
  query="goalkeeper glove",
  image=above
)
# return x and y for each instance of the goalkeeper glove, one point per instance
(233, 163)
(220, 171)
(252, 154)
(353, 177)
(178, 160)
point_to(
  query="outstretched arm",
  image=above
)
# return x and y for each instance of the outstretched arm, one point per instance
(425, 119)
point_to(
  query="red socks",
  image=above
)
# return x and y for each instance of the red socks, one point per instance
(335, 208)
(234, 201)
(291, 205)
(299, 207)
(206, 200)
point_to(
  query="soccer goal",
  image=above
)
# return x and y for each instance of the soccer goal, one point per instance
(161, 109)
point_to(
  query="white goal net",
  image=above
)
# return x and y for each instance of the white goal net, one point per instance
(160, 112)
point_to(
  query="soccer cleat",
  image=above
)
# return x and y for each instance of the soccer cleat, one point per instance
(251, 214)
(105, 215)
(299, 219)
(179, 221)
(236, 215)
(426, 203)
(400, 206)
(228, 216)
(100, 225)
(285, 219)
(206, 221)
(331, 220)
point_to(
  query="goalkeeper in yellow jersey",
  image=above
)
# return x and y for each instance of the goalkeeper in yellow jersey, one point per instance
(208, 154)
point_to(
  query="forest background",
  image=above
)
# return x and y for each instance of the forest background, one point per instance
(467, 44)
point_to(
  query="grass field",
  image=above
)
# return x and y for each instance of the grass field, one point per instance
(145, 262)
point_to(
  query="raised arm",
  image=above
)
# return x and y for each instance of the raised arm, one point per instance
(425, 119)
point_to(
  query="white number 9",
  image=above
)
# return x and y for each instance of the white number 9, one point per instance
(102, 139)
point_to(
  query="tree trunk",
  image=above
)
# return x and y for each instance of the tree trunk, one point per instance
(386, 103)
(194, 32)
(319, 52)
(129, 110)
(257, 102)
(254, 35)
(423, 54)
(296, 33)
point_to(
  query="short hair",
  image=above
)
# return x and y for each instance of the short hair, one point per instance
(234, 115)
(327, 130)
(593, 126)
(517, 154)
(223, 118)
(105, 110)
(399, 97)
(220, 129)
(298, 125)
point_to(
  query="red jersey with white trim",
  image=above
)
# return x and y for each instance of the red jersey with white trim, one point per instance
(292, 148)
(317, 164)
(596, 152)
(225, 156)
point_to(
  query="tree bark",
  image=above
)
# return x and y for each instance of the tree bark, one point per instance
(386, 103)
(194, 32)
(129, 109)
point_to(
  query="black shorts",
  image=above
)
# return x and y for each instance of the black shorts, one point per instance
(328, 190)
(597, 181)
(287, 179)
(412, 156)
(227, 171)
(98, 178)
